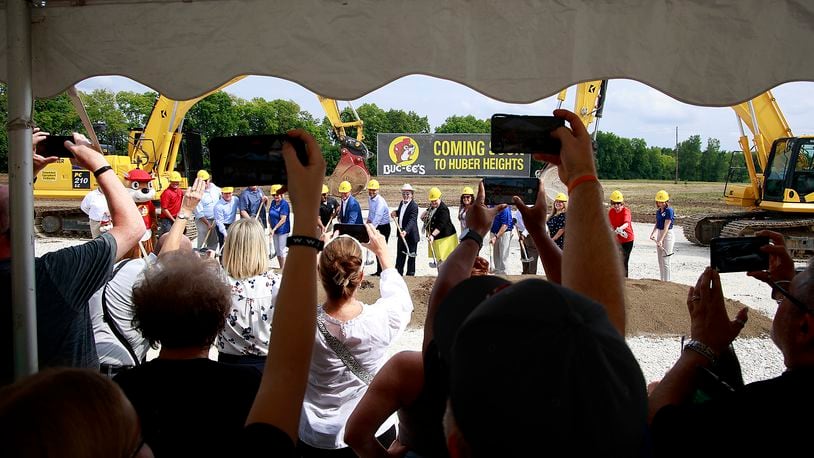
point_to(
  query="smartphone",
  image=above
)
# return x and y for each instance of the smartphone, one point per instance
(54, 146)
(738, 254)
(500, 190)
(357, 231)
(525, 134)
(251, 159)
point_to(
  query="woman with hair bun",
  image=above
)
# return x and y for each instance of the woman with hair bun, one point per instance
(351, 343)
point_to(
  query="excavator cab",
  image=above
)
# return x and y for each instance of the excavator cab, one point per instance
(789, 175)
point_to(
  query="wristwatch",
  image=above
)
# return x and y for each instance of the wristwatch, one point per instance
(182, 216)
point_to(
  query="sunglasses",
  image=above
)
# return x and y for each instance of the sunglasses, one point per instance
(780, 291)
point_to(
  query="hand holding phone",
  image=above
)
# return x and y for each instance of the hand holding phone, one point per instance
(54, 146)
(357, 231)
(738, 254)
(525, 134)
(252, 159)
(500, 190)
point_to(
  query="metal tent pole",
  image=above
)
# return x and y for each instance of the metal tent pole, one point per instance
(20, 104)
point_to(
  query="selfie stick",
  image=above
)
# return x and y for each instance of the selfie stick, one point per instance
(403, 240)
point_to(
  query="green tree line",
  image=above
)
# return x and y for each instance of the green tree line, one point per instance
(222, 114)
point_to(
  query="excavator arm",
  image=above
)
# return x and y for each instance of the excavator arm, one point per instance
(353, 153)
(589, 102)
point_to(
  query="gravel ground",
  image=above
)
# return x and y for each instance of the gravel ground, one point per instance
(759, 358)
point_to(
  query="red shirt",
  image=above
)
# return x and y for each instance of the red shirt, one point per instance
(171, 200)
(619, 218)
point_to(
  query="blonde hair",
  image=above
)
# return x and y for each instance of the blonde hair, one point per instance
(67, 412)
(340, 268)
(245, 250)
(564, 207)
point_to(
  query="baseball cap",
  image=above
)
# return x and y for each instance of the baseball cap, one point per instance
(537, 360)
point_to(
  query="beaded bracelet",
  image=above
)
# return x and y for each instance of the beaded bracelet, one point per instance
(302, 240)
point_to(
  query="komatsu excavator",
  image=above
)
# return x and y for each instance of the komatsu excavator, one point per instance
(156, 148)
(780, 193)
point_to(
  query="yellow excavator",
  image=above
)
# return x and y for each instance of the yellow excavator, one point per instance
(780, 193)
(156, 148)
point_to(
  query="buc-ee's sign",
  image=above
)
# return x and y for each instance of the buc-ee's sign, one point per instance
(446, 155)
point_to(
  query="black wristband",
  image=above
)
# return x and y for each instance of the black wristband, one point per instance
(305, 241)
(101, 170)
(472, 235)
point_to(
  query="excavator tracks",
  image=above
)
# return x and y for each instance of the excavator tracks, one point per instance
(700, 229)
(63, 222)
(799, 232)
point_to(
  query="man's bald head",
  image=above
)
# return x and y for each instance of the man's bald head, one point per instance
(184, 245)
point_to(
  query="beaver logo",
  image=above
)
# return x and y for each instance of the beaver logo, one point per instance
(403, 150)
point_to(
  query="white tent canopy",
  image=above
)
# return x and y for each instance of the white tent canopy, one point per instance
(705, 52)
(701, 52)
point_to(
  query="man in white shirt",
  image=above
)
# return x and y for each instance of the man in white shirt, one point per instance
(205, 213)
(527, 246)
(95, 206)
(378, 215)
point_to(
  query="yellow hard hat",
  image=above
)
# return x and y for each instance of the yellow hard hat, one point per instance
(325, 189)
(275, 188)
(468, 190)
(434, 194)
(372, 184)
(344, 186)
(561, 197)
(175, 177)
(226, 189)
(203, 175)
(662, 196)
(616, 196)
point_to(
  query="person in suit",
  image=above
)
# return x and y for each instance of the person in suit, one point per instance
(349, 210)
(407, 217)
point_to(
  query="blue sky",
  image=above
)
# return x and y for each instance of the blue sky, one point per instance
(632, 109)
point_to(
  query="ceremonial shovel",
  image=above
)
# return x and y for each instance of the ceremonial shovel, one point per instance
(434, 262)
(403, 240)
(524, 257)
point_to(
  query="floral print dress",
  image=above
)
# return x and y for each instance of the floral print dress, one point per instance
(248, 325)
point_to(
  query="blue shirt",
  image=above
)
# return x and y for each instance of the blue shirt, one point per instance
(378, 214)
(504, 217)
(206, 207)
(225, 213)
(276, 211)
(250, 201)
(663, 215)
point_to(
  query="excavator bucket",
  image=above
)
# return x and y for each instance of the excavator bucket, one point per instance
(352, 168)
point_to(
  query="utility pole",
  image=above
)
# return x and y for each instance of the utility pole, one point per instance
(676, 182)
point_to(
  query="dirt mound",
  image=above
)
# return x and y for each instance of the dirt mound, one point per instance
(654, 307)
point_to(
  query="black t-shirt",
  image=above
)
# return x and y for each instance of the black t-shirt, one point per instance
(65, 280)
(767, 418)
(326, 209)
(193, 407)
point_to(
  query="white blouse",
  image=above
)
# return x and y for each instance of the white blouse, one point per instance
(248, 325)
(333, 391)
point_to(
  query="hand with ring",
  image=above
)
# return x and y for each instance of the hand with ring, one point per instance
(709, 322)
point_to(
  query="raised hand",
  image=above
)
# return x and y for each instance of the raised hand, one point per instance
(479, 218)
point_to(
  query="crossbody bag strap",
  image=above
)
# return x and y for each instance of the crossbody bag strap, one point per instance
(114, 327)
(343, 353)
